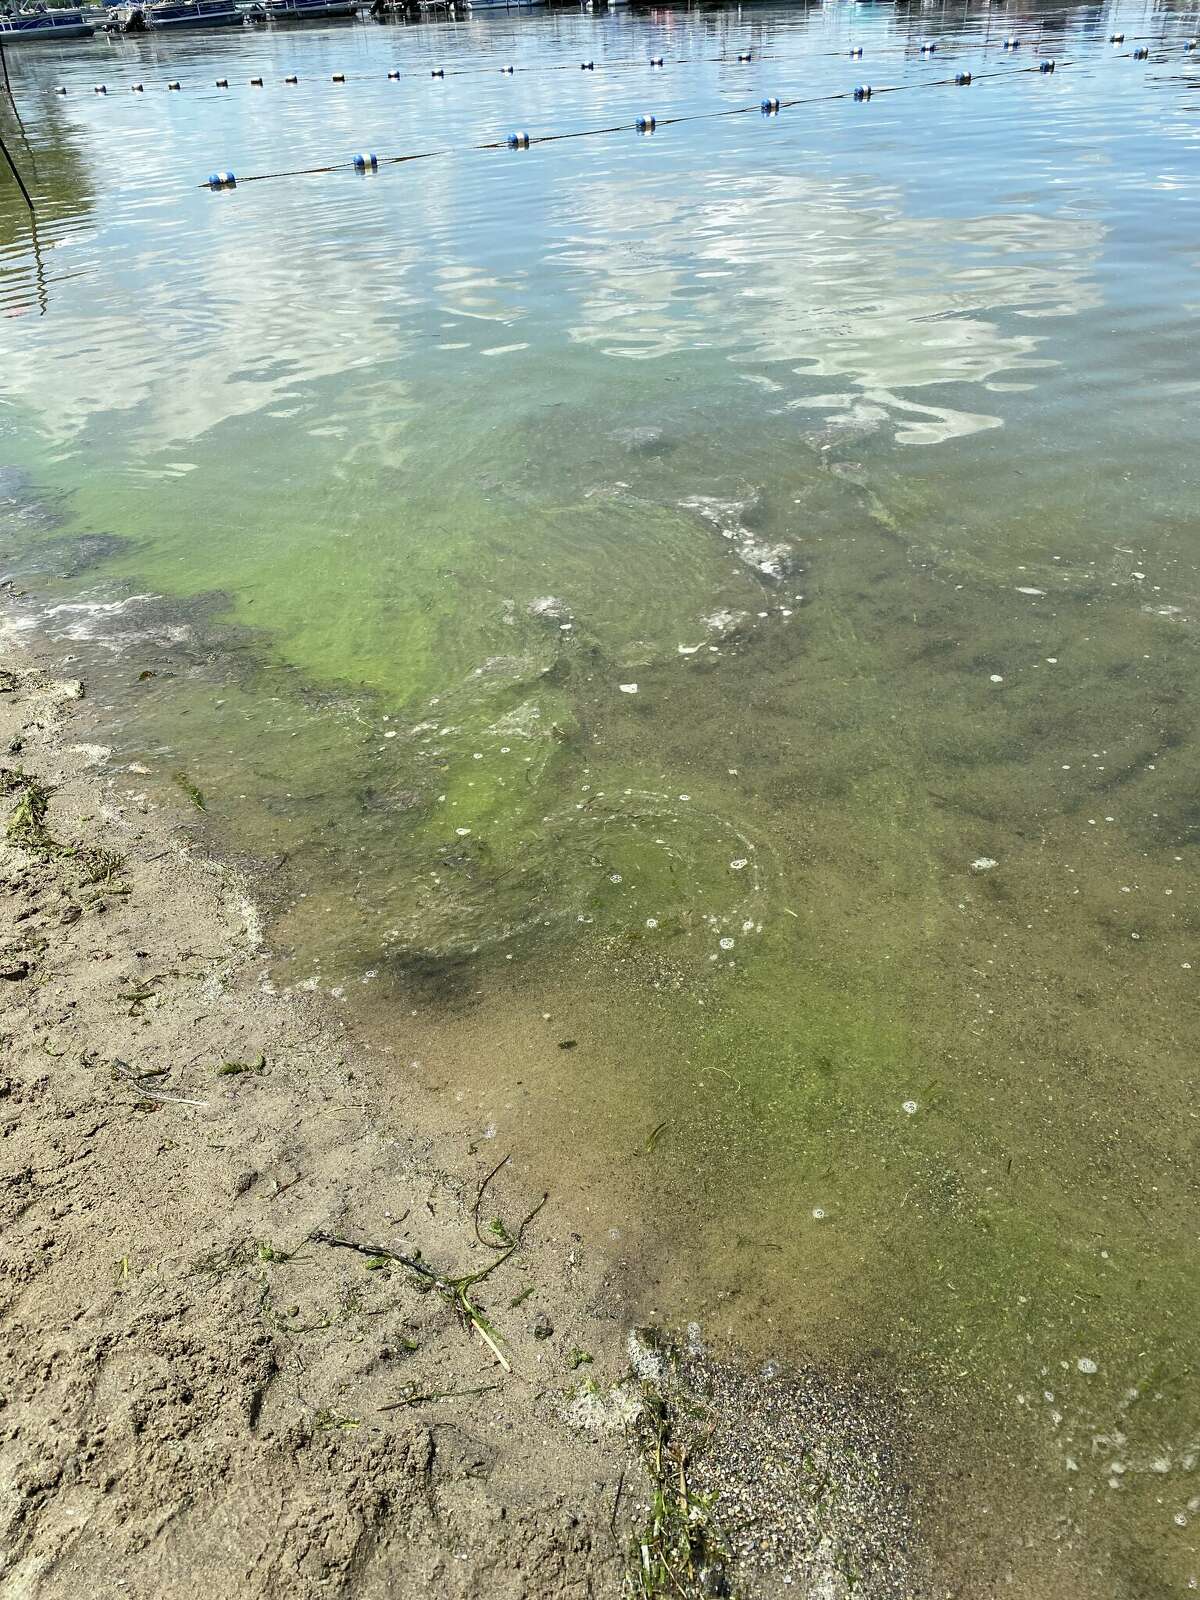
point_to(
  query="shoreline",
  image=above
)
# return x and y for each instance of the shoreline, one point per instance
(191, 1377)
(210, 1389)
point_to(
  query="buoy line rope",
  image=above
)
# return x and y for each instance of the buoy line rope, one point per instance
(650, 124)
(1045, 36)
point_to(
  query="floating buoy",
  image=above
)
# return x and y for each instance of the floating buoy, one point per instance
(1141, 54)
(222, 83)
(1190, 45)
(173, 85)
(1046, 66)
(587, 66)
(136, 88)
(438, 72)
(855, 52)
(518, 140)
(1116, 38)
(962, 79)
(256, 83)
(222, 180)
(292, 79)
(505, 72)
(928, 47)
(645, 124)
(61, 89)
(1012, 44)
(770, 107)
(99, 88)
(393, 77)
(863, 92)
(656, 61)
(339, 77)
(748, 56)
(368, 161)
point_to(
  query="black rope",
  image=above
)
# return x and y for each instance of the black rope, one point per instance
(12, 165)
(660, 122)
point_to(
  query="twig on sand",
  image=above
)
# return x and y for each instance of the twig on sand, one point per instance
(456, 1291)
(138, 1079)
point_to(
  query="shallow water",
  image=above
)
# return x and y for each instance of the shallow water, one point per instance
(858, 439)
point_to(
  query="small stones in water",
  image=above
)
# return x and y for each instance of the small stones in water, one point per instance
(628, 688)
(1086, 1365)
(996, 678)
(551, 608)
(983, 864)
(614, 877)
(652, 922)
(543, 1328)
(1022, 590)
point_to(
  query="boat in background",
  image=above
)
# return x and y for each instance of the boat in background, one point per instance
(39, 22)
(303, 10)
(160, 14)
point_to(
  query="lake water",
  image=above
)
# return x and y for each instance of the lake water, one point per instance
(701, 628)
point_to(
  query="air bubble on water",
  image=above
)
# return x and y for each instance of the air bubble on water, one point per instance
(996, 678)
(738, 864)
(628, 688)
(652, 922)
(614, 877)
(726, 943)
(818, 1213)
(462, 832)
(747, 927)
(909, 1108)
(1087, 1365)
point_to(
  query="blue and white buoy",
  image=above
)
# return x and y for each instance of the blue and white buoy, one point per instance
(656, 61)
(856, 52)
(256, 83)
(863, 92)
(745, 55)
(587, 66)
(962, 79)
(1141, 54)
(393, 77)
(222, 83)
(506, 72)
(366, 161)
(136, 88)
(61, 89)
(1012, 44)
(770, 108)
(292, 79)
(518, 140)
(1116, 38)
(1046, 66)
(339, 77)
(174, 84)
(221, 180)
(928, 47)
(99, 88)
(1191, 44)
(438, 72)
(645, 124)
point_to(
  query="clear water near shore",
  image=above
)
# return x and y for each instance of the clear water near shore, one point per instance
(858, 439)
